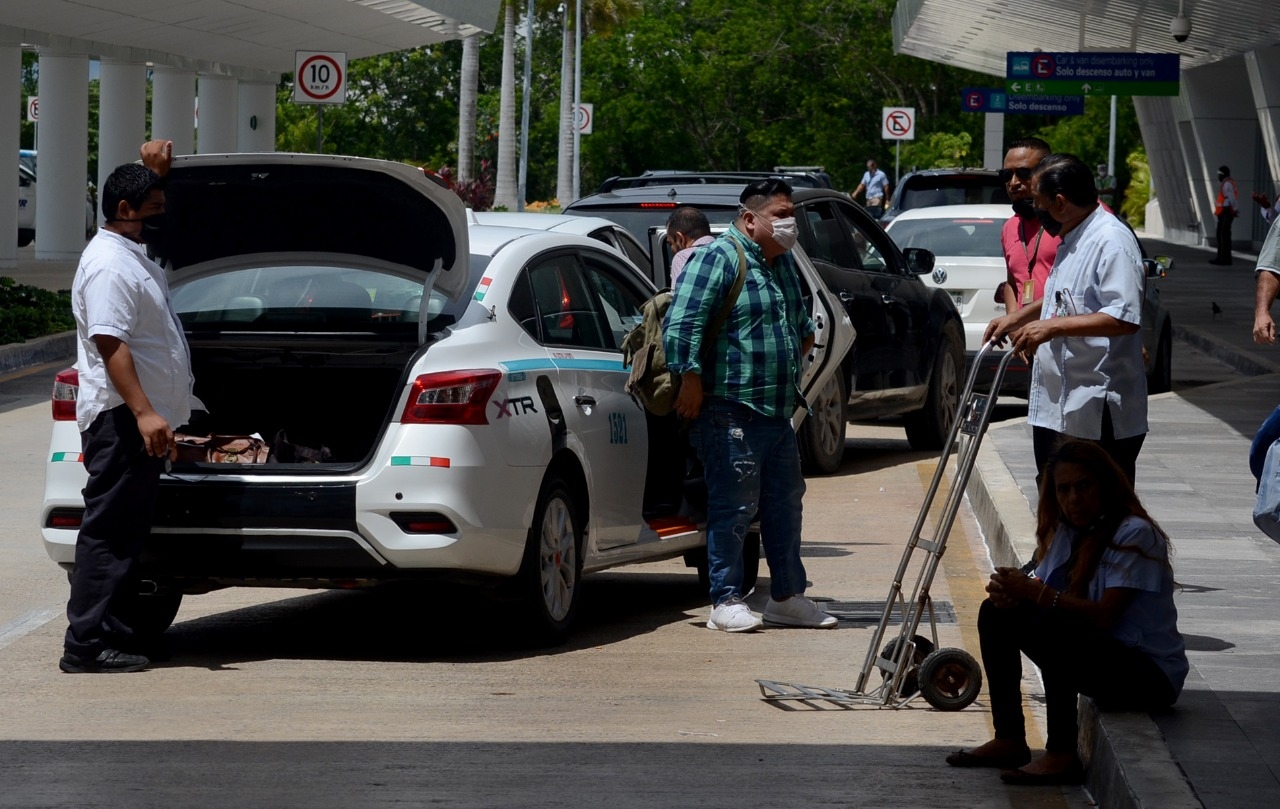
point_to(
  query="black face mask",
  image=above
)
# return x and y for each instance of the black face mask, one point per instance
(154, 231)
(1051, 226)
(1023, 208)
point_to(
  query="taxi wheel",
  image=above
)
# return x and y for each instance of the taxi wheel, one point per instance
(551, 574)
(156, 612)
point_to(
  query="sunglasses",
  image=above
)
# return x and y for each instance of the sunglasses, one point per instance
(1006, 175)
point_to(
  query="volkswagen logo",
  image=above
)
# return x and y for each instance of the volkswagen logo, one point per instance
(939, 276)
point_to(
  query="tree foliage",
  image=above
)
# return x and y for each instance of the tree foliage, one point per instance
(692, 84)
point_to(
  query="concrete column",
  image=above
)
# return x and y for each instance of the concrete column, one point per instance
(122, 117)
(64, 149)
(1224, 123)
(219, 107)
(1178, 217)
(173, 107)
(257, 119)
(11, 104)
(993, 140)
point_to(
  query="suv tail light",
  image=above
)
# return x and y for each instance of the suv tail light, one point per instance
(451, 397)
(66, 385)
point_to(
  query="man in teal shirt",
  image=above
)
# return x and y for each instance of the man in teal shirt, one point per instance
(739, 393)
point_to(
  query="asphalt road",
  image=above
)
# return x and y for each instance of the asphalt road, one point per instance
(423, 697)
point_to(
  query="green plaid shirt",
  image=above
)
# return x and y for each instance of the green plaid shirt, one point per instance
(756, 356)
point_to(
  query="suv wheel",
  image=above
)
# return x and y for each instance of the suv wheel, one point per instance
(928, 428)
(822, 433)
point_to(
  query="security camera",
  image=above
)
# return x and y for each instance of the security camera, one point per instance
(1180, 28)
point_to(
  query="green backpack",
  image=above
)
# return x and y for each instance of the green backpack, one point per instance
(651, 383)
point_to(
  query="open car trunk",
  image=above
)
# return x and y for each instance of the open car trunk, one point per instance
(333, 391)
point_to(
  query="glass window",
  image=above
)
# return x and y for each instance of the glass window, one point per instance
(950, 237)
(315, 298)
(619, 300)
(566, 309)
(828, 238)
(868, 238)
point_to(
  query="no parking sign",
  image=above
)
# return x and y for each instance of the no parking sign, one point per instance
(898, 123)
(319, 78)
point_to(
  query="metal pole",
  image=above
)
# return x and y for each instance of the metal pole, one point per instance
(320, 129)
(897, 160)
(522, 189)
(577, 97)
(1111, 146)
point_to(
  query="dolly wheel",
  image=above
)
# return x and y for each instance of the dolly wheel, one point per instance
(910, 684)
(950, 679)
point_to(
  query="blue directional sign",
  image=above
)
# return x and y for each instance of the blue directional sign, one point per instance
(985, 99)
(1092, 73)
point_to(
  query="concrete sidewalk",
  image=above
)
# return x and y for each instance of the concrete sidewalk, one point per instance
(1220, 746)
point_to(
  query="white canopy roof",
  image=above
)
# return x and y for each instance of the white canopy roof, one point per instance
(239, 37)
(976, 34)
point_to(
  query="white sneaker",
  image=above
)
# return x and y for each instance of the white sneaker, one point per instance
(734, 616)
(798, 611)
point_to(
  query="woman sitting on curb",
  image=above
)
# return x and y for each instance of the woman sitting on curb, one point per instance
(1097, 617)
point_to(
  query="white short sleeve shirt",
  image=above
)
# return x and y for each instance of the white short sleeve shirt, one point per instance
(120, 292)
(1098, 269)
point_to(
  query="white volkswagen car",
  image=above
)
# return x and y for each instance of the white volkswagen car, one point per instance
(465, 379)
(969, 265)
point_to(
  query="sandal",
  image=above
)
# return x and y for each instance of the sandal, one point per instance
(1071, 776)
(1008, 761)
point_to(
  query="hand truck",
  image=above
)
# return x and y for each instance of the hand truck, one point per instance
(911, 665)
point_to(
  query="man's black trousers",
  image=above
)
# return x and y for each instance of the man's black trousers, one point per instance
(119, 507)
(1224, 236)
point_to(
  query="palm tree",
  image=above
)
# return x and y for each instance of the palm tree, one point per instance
(504, 194)
(600, 17)
(467, 107)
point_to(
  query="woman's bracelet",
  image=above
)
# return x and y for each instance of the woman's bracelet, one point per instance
(1056, 595)
(1040, 595)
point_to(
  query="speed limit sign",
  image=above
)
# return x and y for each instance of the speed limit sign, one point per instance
(319, 78)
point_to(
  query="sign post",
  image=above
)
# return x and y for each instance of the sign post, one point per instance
(319, 78)
(898, 124)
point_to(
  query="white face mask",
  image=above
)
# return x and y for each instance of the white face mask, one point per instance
(785, 232)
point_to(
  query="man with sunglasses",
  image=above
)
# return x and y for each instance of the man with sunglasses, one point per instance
(1028, 250)
(739, 395)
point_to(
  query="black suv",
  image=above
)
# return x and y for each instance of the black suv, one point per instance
(933, 187)
(796, 178)
(909, 353)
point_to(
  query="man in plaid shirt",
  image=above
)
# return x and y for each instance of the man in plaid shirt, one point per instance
(739, 393)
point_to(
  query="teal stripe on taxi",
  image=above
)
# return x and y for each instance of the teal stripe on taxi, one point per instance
(562, 364)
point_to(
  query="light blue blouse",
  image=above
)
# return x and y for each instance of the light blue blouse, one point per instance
(1150, 623)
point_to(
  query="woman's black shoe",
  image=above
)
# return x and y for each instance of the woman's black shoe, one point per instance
(108, 662)
(1071, 776)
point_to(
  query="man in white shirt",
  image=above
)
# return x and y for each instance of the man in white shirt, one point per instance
(1268, 285)
(135, 388)
(876, 185)
(1088, 380)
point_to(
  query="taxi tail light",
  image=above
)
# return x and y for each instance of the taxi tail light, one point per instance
(66, 385)
(65, 518)
(451, 397)
(424, 523)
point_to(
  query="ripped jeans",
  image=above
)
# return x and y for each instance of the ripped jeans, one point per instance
(751, 464)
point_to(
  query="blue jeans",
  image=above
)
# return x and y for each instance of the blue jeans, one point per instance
(751, 464)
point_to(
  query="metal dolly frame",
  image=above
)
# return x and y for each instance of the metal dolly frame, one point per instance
(911, 666)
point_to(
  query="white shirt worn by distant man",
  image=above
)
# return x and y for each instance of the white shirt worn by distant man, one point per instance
(875, 183)
(1098, 269)
(119, 292)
